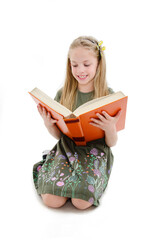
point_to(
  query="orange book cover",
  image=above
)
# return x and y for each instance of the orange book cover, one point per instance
(91, 132)
(76, 125)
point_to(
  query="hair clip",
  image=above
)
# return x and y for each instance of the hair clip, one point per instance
(100, 48)
(100, 43)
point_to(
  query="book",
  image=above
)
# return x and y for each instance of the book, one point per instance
(76, 124)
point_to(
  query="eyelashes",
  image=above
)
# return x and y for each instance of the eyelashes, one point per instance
(85, 65)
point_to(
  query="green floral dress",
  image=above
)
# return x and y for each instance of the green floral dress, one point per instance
(75, 171)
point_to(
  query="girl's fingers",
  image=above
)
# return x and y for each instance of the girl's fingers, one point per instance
(101, 117)
(95, 121)
(42, 110)
(106, 115)
(39, 108)
(53, 120)
(48, 115)
(45, 114)
(50, 118)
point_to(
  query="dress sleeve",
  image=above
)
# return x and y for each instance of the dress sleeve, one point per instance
(58, 95)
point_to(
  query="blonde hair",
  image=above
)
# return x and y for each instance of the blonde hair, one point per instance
(71, 85)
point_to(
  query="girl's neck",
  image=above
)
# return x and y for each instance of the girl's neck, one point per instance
(85, 89)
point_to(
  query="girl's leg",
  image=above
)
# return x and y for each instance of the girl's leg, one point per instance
(53, 200)
(80, 204)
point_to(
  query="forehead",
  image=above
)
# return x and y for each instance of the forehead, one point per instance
(81, 54)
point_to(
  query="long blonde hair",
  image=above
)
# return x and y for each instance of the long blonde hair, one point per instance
(71, 85)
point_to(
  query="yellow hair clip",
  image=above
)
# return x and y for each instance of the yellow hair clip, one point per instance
(101, 49)
(100, 43)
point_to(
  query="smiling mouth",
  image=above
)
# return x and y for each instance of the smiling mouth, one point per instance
(83, 77)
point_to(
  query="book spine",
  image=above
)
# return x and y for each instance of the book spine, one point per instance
(75, 130)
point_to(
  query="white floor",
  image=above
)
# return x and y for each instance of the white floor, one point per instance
(33, 33)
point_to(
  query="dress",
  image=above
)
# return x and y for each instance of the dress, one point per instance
(75, 171)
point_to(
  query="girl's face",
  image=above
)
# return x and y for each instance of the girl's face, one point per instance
(83, 66)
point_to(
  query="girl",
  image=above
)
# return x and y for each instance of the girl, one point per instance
(78, 172)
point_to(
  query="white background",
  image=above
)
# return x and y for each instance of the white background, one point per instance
(34, 41)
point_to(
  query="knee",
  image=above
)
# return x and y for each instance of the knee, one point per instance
(53, 201)
(80, 204)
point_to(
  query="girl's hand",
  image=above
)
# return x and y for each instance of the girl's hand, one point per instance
(105, 121)
(48, 120)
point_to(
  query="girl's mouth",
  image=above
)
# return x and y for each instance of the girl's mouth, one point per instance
(82, 77)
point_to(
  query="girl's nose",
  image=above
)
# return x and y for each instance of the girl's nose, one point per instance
(80, 69)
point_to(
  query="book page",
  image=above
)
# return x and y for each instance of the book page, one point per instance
(51, 102)
(98, 102)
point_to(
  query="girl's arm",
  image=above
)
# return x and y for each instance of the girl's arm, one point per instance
(111, 137)
(49, 122)
(108, 124)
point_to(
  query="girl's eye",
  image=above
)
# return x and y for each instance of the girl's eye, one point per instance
(86, 65)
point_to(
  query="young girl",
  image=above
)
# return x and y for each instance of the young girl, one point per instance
(78, 172)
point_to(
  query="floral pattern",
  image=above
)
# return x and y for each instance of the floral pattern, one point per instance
(74, 172)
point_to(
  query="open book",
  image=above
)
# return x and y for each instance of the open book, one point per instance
(76, 124)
